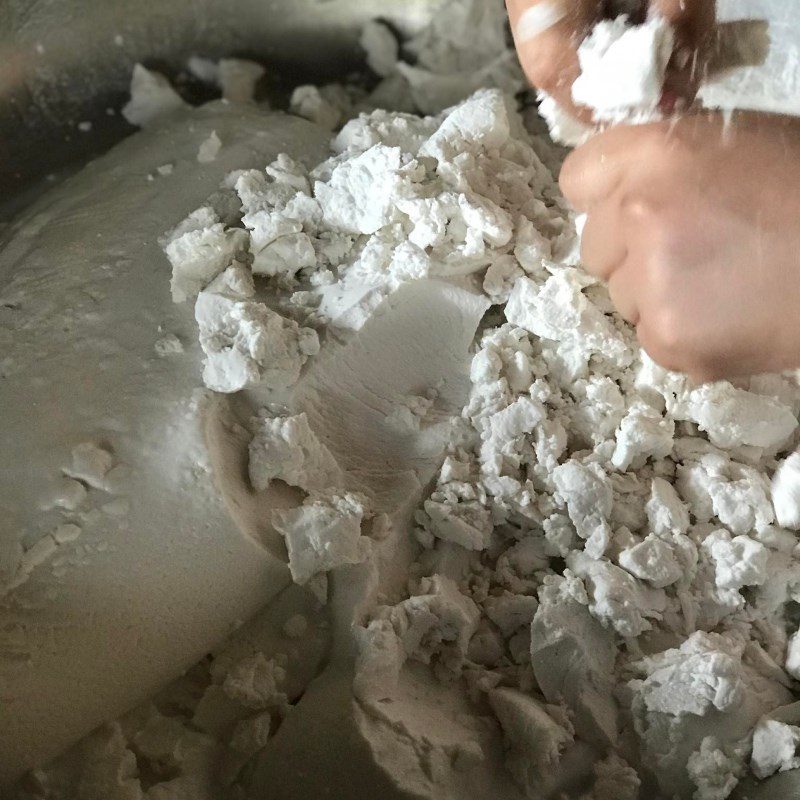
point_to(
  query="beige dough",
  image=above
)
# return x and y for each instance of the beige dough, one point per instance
(159, 571)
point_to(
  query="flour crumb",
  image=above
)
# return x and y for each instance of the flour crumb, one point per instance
(90, 464)
(309, 103)
(254, 682)
(245, 342)
(715, 770)
(209, 148)
(69, 494)
(287, 449)
(199, 249)
(168, 345)
(775, 746)
(381, 46)
(152, 98)
(324, 533)
(786, 492)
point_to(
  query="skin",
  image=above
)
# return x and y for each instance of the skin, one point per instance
(697, 231)
(693, 222)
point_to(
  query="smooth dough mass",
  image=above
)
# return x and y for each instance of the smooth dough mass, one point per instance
(85, 305)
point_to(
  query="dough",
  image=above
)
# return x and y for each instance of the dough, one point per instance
(84, 303)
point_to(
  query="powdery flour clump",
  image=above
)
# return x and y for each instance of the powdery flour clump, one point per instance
(623, 67)
(585, 592)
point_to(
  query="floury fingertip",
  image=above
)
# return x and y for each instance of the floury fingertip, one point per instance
(539, 18)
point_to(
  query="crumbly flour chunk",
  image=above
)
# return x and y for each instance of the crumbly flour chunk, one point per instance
(199, 249)
(438, 620)
(786, 492)
(324, 533)
(152, 97)
(287, 449)
(774, 748)
(245, 342)
(536, 740)
(715, 770)
(587, 497)
(623, 67)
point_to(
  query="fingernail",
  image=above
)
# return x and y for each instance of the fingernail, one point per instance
(538, 19)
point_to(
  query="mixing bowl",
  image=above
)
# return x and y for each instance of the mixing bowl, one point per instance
(69, 61)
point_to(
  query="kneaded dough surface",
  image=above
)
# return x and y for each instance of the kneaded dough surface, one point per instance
(87, 330)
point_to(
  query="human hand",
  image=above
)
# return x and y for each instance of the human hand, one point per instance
(695, 226)
(548, 32)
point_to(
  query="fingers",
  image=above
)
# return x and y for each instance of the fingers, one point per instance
(651, 343)
(624, 294)
(594, 170)
(697, 364)
(603, 246)
(572, 18)
(547, 34)
(530, 18)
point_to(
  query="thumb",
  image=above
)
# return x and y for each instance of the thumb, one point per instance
(547, 34)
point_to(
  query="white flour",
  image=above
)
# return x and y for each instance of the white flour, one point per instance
(152, 96)
(528, 562)
(623, 68)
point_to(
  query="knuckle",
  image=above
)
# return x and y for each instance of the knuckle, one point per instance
(592, 264)
(670, 330)
(568, 178)
(666, 265)
(662, 357)
(660, 226)
(661, 264)
(666, 339)
(623, 300)
(709, 363)
(640, 210)
(702, 374)
(666, 149)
